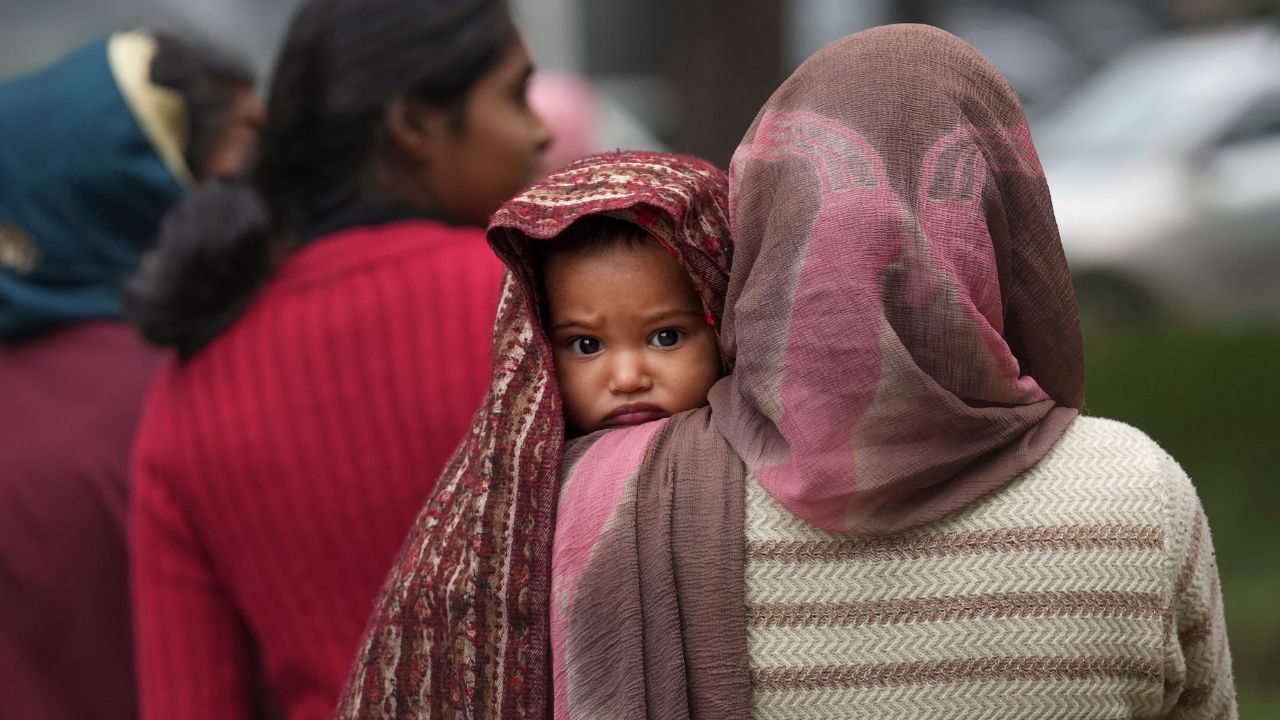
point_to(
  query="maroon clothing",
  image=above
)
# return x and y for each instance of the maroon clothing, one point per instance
(69, 401)
(278, 471)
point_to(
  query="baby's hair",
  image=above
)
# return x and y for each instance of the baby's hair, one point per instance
(595, 234)
(590, 235)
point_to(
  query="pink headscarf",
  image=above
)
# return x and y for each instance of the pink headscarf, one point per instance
(900, 311)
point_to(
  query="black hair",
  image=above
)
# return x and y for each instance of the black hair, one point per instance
(596, 234)
(592, 235)
(209, 79)
(342, 64)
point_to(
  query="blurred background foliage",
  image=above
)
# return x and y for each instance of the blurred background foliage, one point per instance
(1159, 125)
(1208, 395)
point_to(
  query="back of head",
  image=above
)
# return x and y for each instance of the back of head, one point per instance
(94, 155)
(211, 82)
(342, 64)
(893, 225)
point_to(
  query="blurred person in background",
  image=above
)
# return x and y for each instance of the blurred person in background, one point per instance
(583, 120)
(331, 318)
(93, 151)
(570, 106)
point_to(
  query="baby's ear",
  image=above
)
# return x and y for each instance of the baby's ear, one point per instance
(417, 128)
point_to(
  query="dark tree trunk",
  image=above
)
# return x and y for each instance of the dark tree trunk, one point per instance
(915, 11)
(728, 61)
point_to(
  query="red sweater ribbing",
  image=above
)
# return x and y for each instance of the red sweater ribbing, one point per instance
(277, 473)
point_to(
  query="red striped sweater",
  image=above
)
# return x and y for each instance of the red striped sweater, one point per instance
(277, 472)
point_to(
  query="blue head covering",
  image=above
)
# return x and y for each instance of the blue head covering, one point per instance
(90, 161)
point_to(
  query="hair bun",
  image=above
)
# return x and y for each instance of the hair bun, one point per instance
(210, 258)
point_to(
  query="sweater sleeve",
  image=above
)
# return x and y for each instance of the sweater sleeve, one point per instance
(1198, 678)
(192, 648)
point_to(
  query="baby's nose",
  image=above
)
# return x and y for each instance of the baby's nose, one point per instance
(629, 374)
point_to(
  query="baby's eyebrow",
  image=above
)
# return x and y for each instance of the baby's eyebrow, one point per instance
(566, 324)
(678, 312)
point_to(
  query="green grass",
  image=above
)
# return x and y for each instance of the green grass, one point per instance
(1211, 397)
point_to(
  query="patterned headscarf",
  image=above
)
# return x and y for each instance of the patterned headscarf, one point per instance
(461, 628)
(900, 312)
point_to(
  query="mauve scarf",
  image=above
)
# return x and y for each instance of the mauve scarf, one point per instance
(462, 628)
(900, 315)
(648, 608)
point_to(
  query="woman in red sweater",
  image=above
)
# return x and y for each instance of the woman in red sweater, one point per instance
(331, 316)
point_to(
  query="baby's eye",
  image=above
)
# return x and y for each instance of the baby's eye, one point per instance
(586, 345)
(665, 338)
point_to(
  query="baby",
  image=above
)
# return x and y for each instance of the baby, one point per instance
(632, 341)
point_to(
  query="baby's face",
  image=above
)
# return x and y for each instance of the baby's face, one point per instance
(632, 343)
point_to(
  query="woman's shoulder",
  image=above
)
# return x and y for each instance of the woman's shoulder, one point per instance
(1101, 472)
(1093, 435)
(1108, 453)
(1099, 450)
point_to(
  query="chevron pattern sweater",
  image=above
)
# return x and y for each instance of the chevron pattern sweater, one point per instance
(1085, 589)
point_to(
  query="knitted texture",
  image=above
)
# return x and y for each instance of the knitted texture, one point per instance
(1087, 588)
(278, 471)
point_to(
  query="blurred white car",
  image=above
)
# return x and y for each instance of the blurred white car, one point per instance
(1165, 175)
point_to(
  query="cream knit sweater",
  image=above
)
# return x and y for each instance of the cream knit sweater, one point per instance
(1087, 588)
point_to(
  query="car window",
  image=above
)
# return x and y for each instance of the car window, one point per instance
(1163, 97)
(1259, 121)
(1122, 109)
